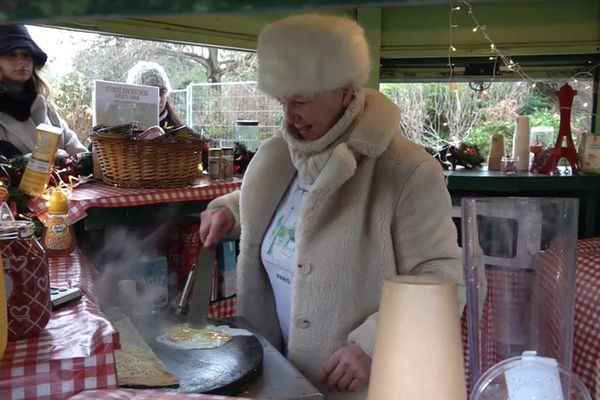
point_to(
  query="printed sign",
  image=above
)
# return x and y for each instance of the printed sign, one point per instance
(115, 103)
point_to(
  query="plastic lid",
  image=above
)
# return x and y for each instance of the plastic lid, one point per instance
(58, 203)
(529, 377)
(246, 122)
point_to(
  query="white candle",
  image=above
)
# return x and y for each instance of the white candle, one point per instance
(521, 143)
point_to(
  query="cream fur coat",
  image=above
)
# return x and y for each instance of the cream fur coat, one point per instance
(378, 208)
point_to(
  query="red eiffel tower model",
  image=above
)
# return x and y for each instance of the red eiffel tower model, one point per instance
(564, 147)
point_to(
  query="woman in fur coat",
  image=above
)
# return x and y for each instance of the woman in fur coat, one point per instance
(331, 206)
(24, 95)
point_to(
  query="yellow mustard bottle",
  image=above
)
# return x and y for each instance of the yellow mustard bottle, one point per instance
(3, 312)
(58, 237)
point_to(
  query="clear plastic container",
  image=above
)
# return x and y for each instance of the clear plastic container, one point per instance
(519, 260)
(529, 377)
(247, 133)
(542, 136)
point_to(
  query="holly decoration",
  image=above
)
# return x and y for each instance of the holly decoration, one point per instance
(465, 155)
(12, 169)
(241, 158)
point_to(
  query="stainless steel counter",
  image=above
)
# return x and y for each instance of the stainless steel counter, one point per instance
(280, 380)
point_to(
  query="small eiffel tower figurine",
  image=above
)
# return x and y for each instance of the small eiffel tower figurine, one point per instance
(564, 147)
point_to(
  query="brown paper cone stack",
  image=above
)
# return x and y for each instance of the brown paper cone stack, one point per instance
(418, 351)
(496, 152)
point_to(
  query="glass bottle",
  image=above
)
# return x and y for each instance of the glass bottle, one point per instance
(214, 163)
(58, 237)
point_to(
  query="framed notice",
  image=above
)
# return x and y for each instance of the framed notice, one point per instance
(115, 103)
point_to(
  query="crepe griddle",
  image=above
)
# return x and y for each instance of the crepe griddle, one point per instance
(226, 370)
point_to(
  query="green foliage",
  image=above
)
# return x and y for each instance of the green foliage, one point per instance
(545, 117)
(183, 71)
(541, 99)
(73, 98)
(480, 135)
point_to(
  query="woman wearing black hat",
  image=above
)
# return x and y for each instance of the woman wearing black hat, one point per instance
(24, 95)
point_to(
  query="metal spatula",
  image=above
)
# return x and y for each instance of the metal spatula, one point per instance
(200, 297)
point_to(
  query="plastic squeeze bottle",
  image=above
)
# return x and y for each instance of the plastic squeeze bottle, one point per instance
(58, 237)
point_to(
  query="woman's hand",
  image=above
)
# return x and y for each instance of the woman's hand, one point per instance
(348, 369)
(215, 224)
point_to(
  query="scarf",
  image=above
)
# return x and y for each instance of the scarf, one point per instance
(17, 104)
(310, 156)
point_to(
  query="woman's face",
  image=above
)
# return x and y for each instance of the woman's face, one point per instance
(311, 117)
(162, 99)
(16, 67)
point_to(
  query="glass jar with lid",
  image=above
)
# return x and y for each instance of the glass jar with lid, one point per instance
(26, 278)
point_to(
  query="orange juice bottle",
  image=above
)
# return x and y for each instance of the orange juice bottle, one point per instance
(3, 312)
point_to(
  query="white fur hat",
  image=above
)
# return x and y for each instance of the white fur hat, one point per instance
(311, 53)
(149, 74)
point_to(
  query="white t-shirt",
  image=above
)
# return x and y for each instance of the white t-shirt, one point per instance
(278, 251)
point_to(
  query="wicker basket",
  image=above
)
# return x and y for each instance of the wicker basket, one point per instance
(142, 163)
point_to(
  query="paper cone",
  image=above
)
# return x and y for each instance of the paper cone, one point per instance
(496, 152)
(521, 143)
(418, 351)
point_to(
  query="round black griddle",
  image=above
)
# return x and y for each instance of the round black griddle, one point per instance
(226, 370)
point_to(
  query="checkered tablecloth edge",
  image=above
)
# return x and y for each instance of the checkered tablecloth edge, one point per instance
(59, 379)
(96, 194)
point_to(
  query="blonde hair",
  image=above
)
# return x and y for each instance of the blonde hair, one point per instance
(41, 86)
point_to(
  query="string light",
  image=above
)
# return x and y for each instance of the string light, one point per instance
(451, 48)
(511, 65)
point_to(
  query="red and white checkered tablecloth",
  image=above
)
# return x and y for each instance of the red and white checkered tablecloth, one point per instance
(74, 353)
(586, 342)
(130, 394)
(222, 308)
(97, 194)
